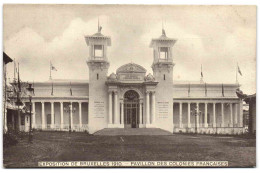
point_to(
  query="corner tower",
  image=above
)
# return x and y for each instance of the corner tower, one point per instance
(98, 68)
(163, 73)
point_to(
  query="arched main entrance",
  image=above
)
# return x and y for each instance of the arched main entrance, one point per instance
(131, 107)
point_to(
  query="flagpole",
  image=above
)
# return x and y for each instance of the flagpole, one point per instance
(50, 70)
(201, 74)
(189, 90)
(14, 69)
(18, 79)
(52, 88)
(70, 89)
(236, 73)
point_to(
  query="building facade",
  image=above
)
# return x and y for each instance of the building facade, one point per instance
(130, 98)
(6, 60)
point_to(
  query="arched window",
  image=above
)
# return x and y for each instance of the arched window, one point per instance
(131, 95)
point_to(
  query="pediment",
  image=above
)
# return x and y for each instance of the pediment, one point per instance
(131, 68)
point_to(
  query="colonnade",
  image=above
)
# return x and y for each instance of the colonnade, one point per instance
(233, 114)
(52, 124)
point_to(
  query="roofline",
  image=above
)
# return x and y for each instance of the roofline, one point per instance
(60, 83)
(159, 39)
(207, 84)
(206, 98)
(7, 58)
(98, 37)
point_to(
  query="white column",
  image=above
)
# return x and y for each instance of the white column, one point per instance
(180, 111)
(19, 118)
(122, 112)
(71, 115)
(173, 113)
(33, 115)
(80, 115)
(115, 109)
(198, 115)
(206, 115)
(110, 107)
(5, 118)
(61, 115)
(231, 115)
(43, 116)
(13, 120)
(236, 114)
(214, 115)
(153, 107)
(147, 108)
(222, 115)
(241, 114)
(189, 125)
(52, 114)
(140, 113)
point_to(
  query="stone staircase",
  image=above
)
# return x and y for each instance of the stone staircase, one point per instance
(132, 132)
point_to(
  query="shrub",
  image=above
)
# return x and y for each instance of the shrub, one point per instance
(10, 139)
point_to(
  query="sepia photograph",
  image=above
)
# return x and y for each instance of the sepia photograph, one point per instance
(128, 86)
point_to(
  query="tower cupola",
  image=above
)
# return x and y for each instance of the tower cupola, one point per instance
(98, 46)
(162, 48)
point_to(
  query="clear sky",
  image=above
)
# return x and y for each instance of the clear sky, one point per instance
(218, 37)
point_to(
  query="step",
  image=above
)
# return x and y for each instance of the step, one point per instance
(132, 132)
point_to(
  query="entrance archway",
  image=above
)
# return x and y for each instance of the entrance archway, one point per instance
(131, 107)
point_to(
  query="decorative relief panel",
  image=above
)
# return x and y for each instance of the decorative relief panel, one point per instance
(131, 72)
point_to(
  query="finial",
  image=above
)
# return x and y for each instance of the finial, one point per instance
(98, 24)
(163, 31)
(99, 27)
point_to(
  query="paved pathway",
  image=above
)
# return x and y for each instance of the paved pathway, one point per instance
(132, 132)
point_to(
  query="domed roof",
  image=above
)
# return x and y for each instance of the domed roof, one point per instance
(112, 76)
(149, 77)
(131, 68)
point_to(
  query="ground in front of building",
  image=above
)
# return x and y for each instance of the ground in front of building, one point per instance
(239, 151)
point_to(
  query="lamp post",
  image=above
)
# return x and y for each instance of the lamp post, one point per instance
(30, 90)
(196, 113)
(70, 110)
(18, 103)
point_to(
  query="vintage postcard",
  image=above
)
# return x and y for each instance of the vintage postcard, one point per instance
(129, 86)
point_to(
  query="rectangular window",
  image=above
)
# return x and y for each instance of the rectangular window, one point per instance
(22, 120)
(98, 51)
(163, 53)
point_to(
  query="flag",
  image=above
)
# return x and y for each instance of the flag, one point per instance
(206, 89)
(53, 68)
(201, 74)
(52, 88)
(222, 90)
(19, 82)
(239, 71)
(70, 89)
